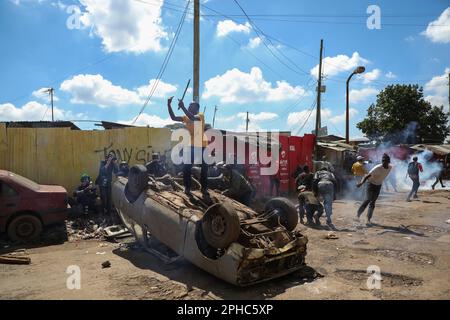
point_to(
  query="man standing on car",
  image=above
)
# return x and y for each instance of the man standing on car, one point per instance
(414, 168)
(375, 179)
(195, 124)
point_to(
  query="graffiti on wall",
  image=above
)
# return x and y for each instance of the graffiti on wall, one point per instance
(128, 154)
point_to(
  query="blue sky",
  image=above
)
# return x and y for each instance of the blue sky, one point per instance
(101, 57)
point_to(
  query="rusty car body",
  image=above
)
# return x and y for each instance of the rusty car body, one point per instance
(261, 247)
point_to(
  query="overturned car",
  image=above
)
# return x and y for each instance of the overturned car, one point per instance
(215, 233)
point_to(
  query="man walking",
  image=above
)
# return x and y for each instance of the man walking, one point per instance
(375, 179)
(324, 185)
(414, 168)
(195, 124)
(440, 175)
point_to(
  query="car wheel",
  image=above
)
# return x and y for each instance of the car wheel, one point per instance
(24, 228)
(137, 180)
(220, 226)
(285, 210)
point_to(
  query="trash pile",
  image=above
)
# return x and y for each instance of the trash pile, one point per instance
(89, 227)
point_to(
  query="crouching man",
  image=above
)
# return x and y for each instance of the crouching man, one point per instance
(238, 187)
(310, 206)
(85, 195)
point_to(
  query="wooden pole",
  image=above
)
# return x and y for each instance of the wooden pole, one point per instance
(196, 91)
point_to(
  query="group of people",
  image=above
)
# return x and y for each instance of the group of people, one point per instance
(86, 195)
(367, 182)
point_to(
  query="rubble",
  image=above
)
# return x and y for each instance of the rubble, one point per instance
(89, 227)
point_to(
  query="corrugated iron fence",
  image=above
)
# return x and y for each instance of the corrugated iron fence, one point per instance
(60, 155)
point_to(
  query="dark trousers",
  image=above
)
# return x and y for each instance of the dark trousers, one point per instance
(187, 172)
(415, 186)
(105, 196)
(372, 193)
(438, 179)
(310, 209)
(275, 182)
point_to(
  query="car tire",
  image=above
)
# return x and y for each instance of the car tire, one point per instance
(24, 227)
(220, 226)
(286, 211)
(137, 180)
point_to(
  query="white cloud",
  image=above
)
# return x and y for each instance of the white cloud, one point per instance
(409, 39)
(258, 117)
(163, 89)
(439, 30)
(340, 63)
(254, 124)
(94, 89)
(42, 95)
(151, 120)
(390, 75)
(235, 86)
(362, 94)
(254, 43)
(341, 118)
(228, 26)
(296, 119)
(124, 25)
(437, 90)
(370, 76)
(34, 111)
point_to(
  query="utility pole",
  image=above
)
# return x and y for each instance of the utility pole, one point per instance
(246, 123)
(214, 117)
(50, 92)
(196, 91)
(319, 90)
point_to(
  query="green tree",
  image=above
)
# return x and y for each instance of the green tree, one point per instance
(401, 115)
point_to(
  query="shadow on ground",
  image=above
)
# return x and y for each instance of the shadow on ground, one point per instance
(186, 273)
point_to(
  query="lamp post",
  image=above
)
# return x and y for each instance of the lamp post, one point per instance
(359, 69)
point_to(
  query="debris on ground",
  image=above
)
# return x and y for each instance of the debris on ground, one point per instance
(448, 221)
(89, 227)
(106, 264)
(117, 231)
(12, 259)
(331, 236)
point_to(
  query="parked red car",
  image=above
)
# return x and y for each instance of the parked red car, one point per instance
(25, 206)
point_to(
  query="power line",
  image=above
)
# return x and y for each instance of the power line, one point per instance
(313, 106)
(164, 64)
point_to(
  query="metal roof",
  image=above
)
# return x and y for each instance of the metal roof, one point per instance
(442, 149)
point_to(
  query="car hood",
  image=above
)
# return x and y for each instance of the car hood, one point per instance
(52, 189)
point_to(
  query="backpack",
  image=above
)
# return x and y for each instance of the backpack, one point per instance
(413, 168)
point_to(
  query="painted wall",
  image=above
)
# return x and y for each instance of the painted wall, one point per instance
(60, 155)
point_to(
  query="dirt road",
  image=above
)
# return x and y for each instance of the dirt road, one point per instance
(410, 244)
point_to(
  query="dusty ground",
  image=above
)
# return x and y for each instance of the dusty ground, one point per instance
(410, 243)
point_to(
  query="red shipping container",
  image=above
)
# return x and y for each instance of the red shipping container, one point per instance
(295, 151)
(283, 171)
(307, 154)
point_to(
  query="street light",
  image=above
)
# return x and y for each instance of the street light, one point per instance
(359, 69)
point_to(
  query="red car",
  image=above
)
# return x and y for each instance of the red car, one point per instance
(25, 206)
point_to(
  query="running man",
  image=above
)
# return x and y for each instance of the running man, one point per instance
(375, 179)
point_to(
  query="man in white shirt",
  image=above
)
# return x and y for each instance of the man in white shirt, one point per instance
(375, 179)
